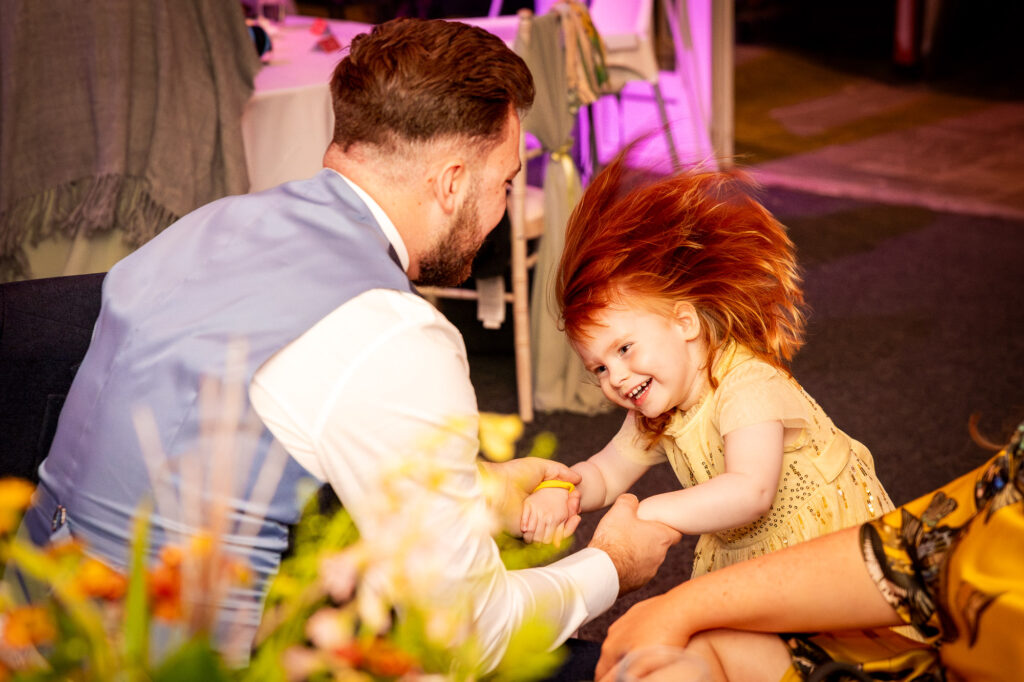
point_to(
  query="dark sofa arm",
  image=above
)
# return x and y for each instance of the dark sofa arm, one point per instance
(45, 328)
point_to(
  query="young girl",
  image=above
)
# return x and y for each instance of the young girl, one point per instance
(683, 299)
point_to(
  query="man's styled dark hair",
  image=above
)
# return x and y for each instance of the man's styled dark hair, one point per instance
(414, 81)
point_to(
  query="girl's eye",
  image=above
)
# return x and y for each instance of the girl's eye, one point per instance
(599, 369)
(625, 349)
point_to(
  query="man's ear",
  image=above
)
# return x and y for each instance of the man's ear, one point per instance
(688, 319)
(450, 182)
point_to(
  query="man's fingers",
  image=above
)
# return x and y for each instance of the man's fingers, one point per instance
(557, 470)
(627, 500)
(607, 665)
(609, 676)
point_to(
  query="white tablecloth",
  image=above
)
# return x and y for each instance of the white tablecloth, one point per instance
(288, 121)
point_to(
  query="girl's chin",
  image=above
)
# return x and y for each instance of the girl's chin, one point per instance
(648, 409)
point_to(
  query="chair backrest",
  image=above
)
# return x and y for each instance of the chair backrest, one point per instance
(45, 329)
(622, 16)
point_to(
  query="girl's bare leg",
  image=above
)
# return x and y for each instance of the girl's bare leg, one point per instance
(741, 656)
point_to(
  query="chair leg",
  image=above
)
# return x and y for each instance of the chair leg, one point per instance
(521, 290)
(622, 119)
(524, 366)
(595, 162)
(666, 126)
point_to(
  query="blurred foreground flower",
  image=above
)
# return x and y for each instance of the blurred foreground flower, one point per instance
(26, 626)
(340, 607)
(498, 435)
(15, 496)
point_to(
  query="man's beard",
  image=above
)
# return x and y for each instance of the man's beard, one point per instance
(451, 260)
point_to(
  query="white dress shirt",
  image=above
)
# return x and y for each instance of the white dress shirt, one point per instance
(376, 400)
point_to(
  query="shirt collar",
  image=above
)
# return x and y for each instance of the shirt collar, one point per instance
(388, 227)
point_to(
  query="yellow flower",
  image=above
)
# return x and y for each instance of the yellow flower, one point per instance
(15, 496)
(498, 435)
(28, 626)
(201, 545)
(15, 493)
(95, 579)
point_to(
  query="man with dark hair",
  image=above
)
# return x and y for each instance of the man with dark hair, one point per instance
(360, 381)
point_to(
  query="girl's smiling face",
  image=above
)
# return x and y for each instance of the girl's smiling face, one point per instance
(645, 360)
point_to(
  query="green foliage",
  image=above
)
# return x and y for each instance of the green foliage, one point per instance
(526, 657)
(194, 660)
(516, 554)
(136, 607)
(544, 446)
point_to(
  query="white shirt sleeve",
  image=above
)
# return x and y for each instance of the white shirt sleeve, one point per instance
(376, 400)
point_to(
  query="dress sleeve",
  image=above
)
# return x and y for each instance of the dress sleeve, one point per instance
(758, 393)
(376, 399)
(906, 550)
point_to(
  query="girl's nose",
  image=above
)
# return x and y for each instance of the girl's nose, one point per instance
(618, 374)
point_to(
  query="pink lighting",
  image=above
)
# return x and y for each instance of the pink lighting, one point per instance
(624, 26)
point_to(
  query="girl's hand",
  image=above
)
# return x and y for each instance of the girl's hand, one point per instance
(549, 515)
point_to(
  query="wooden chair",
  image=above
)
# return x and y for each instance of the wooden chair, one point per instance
(526, 216)
(626, 28)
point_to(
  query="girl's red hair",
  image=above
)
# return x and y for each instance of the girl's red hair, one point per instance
(696, 236)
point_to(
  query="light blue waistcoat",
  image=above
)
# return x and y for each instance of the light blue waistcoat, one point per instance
(263, 268)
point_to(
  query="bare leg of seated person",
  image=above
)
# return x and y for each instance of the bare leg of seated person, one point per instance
(737, 655)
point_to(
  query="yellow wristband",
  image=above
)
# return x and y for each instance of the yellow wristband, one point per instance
(555, 484)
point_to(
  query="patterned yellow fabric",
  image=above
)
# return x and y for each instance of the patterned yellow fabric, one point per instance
(828, 479)
(952, 564)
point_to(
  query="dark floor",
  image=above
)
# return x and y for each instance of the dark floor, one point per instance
(916, 325)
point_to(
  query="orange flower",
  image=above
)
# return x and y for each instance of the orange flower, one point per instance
(384, 659)
(15, 493)
(379, 657)
(171, 556)
(95, 579)
(165, 593)
(350, 654)
(59, 551)
(164, 585)
(15, 496)
(28, 626)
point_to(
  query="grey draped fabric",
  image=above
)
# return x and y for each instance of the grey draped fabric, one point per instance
(117, 115)
(560, 380)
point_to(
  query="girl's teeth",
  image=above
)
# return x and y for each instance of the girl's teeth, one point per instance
(638, 390)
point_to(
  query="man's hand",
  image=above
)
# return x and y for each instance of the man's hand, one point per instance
(507, 484)
(636, 547)
(648, 623)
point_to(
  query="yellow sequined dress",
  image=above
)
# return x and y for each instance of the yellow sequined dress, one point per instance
(828, 479)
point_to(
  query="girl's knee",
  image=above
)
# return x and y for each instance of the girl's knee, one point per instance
(739, 655)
